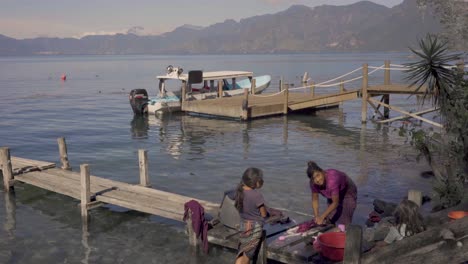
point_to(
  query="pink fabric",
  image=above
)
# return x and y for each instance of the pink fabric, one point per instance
(336, 182)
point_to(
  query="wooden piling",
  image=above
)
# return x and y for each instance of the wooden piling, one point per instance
(286, 98)
(184, 92)
(63, 153)
(365, 83)
(252, 88)
(263, 253)
(352, 252)
(245, 105)
(387, 82)
(193, 241)
(143, 163)
(281, 84)
(220, 88)
(341, 91)
(85, 191)
(415, 196)
(312, 88)
(5, 163)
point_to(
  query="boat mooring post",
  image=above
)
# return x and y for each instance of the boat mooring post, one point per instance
(365, 83)
(281, 84)
(63, 153)
(386, 99)
(5, 165)
(85, 191)
(220, 88)
(143, 164)
(245, 105)
(286, 98)
(253, 85)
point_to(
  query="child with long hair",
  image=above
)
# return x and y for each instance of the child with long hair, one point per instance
(251, 206)
(408, 221)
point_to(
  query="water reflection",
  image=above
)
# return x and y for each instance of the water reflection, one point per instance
(139, 127)
(364, 170)
(10, 214)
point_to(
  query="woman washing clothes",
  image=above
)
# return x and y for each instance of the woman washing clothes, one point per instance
(340, 191)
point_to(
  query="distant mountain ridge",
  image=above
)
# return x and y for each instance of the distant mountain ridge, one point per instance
(362, 26)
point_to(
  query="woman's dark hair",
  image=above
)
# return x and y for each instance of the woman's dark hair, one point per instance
(250, 178)
(311, 168)
(407, 212)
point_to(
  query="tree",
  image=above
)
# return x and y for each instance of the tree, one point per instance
(453, 14)
(446, 153)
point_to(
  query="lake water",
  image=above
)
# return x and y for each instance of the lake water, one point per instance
(194, 156)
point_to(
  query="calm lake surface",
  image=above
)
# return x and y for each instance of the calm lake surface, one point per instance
(189, 155)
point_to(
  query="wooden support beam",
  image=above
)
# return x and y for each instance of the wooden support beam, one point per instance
(365, 84)
(405, 116)
(415, 196)
(193, 241)
(312, 88)
(387, 82)
(143, 164)
(263, 253)
(286, 98)
(342, 90)
(352, 253)
(245, 105)
(407, 113)
(254, 84)
(5, 166)
(376, 109)
(220, 88)
(85, 191)
(63, 153)
(184, 91)
(281, 84)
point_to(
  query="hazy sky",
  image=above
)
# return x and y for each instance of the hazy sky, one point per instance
(76, 18)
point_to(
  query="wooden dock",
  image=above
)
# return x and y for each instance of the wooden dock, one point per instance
(287, 100)
(94, 191)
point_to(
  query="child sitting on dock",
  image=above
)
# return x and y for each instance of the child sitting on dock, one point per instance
(406, 221)
(252, 210)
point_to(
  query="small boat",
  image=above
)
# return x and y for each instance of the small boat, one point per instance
(170, 100)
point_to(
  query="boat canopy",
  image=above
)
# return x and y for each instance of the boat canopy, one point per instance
(207, 76)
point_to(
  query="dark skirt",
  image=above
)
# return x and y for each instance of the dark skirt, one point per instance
(249, 238)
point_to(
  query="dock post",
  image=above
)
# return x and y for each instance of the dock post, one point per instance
(245, 105)
(143, 162)
(85, 191)
(220, 88)
(281, 84)
(184, 91)
(63, 153)
(305, 79)
(341, 91)
(193, 241)
(262, 253)
(387, 82)
(286, 98)
(365, 83)
(5, 165)
(352, 252)
(415, 196)
(312, 88)
(254, 84)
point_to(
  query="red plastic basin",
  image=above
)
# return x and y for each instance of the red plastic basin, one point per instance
(332, 245)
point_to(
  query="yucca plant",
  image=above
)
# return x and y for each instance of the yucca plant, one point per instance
(448, 90)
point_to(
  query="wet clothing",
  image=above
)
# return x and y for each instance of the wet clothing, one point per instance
(196, 212)
(338, 183)
(251, 225)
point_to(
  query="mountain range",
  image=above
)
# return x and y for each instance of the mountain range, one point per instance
(363, 26)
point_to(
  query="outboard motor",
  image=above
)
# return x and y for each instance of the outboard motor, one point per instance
(139, 101)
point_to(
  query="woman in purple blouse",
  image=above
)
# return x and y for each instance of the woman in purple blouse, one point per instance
(338, 188)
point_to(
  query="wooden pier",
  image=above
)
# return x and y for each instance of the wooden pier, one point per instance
(287, 100)
(93, 191)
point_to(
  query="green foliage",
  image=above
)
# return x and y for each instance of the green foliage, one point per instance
(448, 154)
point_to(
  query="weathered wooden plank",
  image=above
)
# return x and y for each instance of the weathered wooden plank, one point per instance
(22, 162)
(395, 89)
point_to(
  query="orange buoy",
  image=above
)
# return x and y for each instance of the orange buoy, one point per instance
(64, 77)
